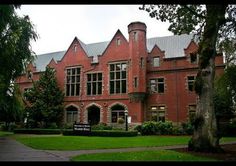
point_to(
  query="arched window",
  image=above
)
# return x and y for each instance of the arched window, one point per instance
(117, 111)
(71, 114)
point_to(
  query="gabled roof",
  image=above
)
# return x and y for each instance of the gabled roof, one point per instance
(41, 61)
(172, 45)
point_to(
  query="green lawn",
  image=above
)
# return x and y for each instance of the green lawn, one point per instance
(86, 142)
(160, 155)
(5, 133)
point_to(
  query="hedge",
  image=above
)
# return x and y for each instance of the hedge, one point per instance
(106, 133)
(37, 131)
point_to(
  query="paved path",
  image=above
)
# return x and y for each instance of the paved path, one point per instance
(11, 150)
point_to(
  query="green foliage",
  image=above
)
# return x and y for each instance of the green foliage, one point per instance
(149, 128)
(12, 109)
(46, 100)
(120, 121)
(187, 128)
(105, 133)
(101, 126)
(15, 52)
(225, 92)
(113, 133)
(37, 131)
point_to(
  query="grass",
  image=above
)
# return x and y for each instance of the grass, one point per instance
(160, 155)
(87, 142)
(5, 133)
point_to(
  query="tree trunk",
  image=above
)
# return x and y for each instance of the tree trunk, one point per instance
(205, 137)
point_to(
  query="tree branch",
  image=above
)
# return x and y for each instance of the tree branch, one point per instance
(193, 12)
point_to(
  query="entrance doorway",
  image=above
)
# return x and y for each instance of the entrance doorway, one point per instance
(93, 115)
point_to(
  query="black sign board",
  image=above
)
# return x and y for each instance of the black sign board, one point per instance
(82, 129)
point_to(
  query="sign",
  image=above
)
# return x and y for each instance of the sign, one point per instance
(82, 129)
(129, 119)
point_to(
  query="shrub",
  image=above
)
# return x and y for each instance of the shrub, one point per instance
(105, 133)
(37, 131)
(138, 128)
(149, 128)
(165, 128)
(187, 128)
(120, 121)
(101, 126)
(114, 133)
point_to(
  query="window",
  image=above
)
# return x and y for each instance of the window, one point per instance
(156, 61)
(26, 90)
(118, 42)
(118, 78)
(75, 48)
(94, 84)
(191, 83)
(141, 62)
(135, 36)
(72, 81)
(135, 82)
(117, 111)
(71, 114)
(158, 113)
(193, 58)
(157, 85)
(29, 74)
(191, 113)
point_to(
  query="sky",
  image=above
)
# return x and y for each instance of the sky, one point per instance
(58, 25)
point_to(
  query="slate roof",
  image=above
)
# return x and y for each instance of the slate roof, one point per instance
(172, 45)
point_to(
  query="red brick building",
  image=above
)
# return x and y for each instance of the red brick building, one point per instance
(150, 78)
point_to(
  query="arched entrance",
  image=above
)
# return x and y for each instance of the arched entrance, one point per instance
(93, 115)
(117, 111)
(71, 114)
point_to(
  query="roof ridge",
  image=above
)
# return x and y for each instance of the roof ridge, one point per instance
(50, 53)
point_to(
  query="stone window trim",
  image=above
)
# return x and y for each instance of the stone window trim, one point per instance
(190, 79)
(157, 83)
(109, 114)
(73, 79)
(98, 81)
(77, 113)
(118, 77)
(156, 61)
(159, 109)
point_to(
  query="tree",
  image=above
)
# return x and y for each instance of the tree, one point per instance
(46, 100)
(15, 51)
(13, 107)
(212, 24)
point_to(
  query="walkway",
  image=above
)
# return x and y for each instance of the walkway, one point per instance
(11, 150)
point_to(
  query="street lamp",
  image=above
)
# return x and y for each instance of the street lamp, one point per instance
(126, 120)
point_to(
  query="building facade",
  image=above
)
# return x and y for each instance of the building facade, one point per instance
(153, 79)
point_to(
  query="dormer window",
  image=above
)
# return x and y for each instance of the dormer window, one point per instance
(29, 74)
(118, 41)
(193, 58)
(75, 48)
(156, 61)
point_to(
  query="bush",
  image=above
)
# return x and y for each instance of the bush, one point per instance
(101, 126)
(37, 131)
(114, 133)
(165, 128)
(149, 128)
(105, 133)
(187, 128)
(120, 121)
(138, 128)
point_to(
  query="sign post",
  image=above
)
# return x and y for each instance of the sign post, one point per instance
(82, 129)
